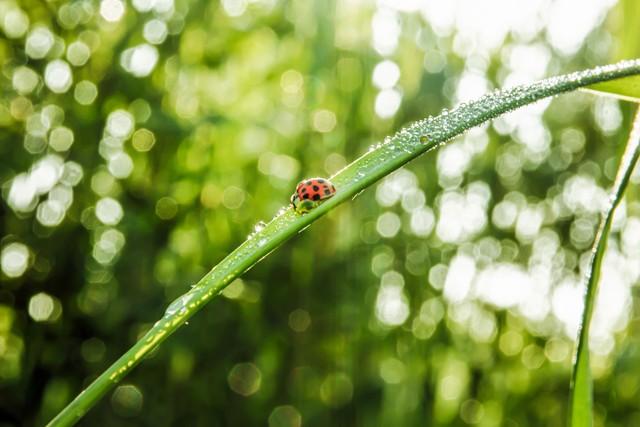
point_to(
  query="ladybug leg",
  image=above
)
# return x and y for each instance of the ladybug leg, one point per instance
(305, 206)
(300, 206)
(295, 202)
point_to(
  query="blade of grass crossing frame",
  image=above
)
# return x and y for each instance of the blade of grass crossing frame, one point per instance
(581, 400)
(382, 159)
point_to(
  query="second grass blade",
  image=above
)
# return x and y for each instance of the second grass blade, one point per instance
(581, 401)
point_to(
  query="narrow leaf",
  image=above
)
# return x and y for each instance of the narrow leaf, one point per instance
(627, 88)
(381, 160)
(581, 400)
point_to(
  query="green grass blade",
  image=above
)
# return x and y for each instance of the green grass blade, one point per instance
(627, 20)
(381, 160)
(627, 88)
(581, 400)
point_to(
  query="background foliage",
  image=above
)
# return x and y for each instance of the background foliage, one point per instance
(142, 141)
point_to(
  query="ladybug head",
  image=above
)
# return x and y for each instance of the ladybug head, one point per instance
(301, 206)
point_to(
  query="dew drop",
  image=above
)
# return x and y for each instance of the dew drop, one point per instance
(179, 305)
(256, 229)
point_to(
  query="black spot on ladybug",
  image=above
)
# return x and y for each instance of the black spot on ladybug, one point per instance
(305, 196)
(321, 181)
(316, 197)
(308, 182)
(327, 191)
(316, 188)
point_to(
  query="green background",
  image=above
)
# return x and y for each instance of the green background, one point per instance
(361, 320)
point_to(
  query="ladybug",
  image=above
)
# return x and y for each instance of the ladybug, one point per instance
(310, 193)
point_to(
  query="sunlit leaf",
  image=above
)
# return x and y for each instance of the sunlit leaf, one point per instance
(627, 88)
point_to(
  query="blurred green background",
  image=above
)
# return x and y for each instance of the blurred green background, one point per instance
(142, 140)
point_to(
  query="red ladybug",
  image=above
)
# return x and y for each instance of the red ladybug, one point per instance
(310, 193)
